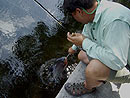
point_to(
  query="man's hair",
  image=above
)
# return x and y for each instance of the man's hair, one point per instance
(71, 5)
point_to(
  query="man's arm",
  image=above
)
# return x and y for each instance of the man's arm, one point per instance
(114, 53)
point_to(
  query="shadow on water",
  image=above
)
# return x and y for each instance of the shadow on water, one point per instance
(27, 41)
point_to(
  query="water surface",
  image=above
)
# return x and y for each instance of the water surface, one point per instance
(29, 37)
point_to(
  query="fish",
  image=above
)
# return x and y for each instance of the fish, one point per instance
(59, 67)
(53, 71)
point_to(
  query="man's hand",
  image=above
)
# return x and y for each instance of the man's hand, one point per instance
(76, 38)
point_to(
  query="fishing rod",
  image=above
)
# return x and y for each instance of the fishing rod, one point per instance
(59, 22)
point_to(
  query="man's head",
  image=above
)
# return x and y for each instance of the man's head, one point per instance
(75, 7)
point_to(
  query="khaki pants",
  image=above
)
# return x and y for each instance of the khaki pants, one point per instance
(121, 76)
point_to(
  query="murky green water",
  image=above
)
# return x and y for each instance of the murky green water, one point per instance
(29, 37)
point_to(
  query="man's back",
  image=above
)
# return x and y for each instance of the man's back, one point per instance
(112, 31)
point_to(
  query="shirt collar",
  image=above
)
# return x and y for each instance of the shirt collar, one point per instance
(101, 7)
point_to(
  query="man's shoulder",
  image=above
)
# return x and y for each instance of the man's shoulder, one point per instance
(115, 11)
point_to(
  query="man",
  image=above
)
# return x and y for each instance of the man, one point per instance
(105, 41)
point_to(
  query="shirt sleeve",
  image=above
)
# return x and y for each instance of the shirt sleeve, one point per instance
(114, 51)
(74, 47)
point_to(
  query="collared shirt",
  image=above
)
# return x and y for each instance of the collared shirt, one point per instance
(108, 36)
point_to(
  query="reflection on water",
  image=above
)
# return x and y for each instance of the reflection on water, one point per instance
(28, 39)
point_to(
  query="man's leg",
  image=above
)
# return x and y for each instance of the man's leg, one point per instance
(83, 57)
(96, 71)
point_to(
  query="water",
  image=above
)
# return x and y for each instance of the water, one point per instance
(29, 38)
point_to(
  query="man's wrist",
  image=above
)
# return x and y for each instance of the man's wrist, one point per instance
(87, 44)
(83, 42)
(84, 37)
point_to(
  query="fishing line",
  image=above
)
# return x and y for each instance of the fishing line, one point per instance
(68, 55)
(59, 22)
